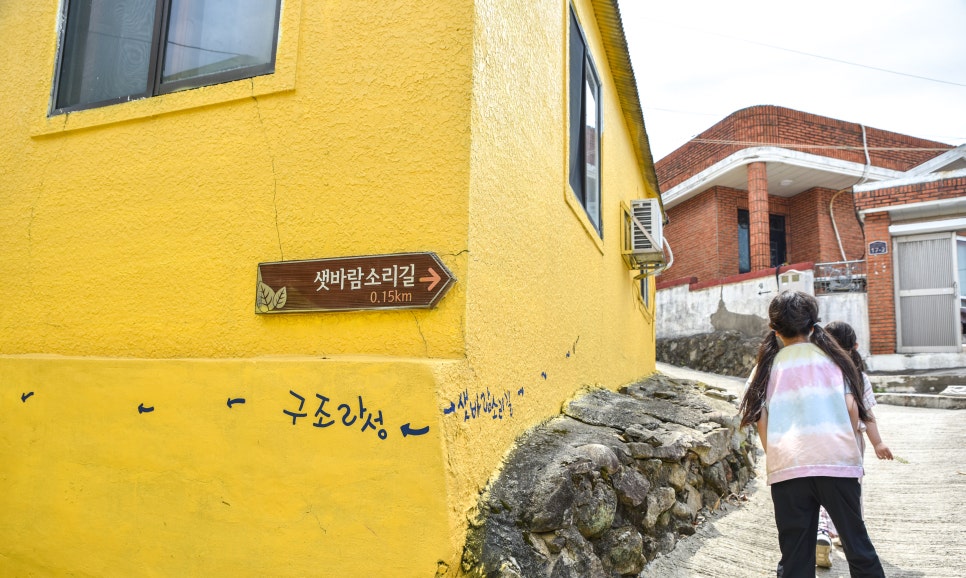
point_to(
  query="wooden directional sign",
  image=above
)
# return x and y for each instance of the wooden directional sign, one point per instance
(397, 281)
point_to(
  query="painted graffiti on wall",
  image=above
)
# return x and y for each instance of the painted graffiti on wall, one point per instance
(348, 415)
(323, 418)
(469, 405)
(495, 406)
(351, 415)
(483, 404)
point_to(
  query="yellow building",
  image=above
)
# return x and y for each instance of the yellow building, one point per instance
(160, 414)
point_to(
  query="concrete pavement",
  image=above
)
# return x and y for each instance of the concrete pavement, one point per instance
(915, 506)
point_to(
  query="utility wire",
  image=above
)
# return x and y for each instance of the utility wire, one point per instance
(840, 61)
(829, 58)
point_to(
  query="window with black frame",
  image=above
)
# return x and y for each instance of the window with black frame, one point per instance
(744, 242)
(585, 124)
(776, 241)
(118, 50)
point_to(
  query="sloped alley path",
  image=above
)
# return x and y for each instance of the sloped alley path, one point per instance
(915, 506)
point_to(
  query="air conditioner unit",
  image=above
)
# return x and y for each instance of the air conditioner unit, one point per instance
(643, 242)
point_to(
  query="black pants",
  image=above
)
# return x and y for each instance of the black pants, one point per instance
(796, 515)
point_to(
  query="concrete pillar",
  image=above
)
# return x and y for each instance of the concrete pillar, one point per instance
(758, 229)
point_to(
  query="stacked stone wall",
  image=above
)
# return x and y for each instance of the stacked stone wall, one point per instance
(722, 352)
(614, 481)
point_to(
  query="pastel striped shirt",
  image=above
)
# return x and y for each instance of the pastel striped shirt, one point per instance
(809, 430)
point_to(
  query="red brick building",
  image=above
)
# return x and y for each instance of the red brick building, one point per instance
(770, 185)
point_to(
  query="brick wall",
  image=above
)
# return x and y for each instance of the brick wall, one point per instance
(915, 193)
(813, 227)
(850, 230)
(779, 126)
(703, 232)
(828, 247)
(803, 230)
(882, 306)
(691, 233)
(728, 201)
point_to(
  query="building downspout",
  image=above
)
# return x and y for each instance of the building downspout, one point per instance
(831, 203)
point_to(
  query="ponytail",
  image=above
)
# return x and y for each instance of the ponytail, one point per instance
(824, 341)
(845, 336)
(754, 399)
(856, 359)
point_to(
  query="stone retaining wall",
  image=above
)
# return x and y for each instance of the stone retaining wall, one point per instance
(721, 352)
(615, 480)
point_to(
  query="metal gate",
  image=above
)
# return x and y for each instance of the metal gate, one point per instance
(927, 294)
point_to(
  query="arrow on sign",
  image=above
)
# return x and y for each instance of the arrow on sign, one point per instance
(408, 431)
(142, 409)
(433, 279)
(232, 402)
(394, 281)
(24, 397)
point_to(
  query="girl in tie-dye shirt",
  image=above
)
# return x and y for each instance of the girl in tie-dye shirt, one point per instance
(806, 400)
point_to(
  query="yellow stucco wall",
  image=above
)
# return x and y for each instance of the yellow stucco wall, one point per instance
(147, 226)
(131, 235)
(132, 467)
(550, 306)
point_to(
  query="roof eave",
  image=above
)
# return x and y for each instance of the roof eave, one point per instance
(702, 180)
(611, 27)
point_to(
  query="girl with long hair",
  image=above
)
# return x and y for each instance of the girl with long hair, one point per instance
(845, 336)
(806, 400)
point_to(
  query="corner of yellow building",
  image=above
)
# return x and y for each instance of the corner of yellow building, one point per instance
(154, 424)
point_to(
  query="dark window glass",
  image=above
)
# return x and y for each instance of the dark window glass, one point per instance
(776, 236)
(112, 50)
(744, 244)
(106, 51)
(585, 126)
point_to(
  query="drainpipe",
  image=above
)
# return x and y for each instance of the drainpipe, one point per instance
(831, 203)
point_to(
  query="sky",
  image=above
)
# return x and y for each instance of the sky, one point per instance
(897, 65)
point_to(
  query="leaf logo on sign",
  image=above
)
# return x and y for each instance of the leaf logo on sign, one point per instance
(268, 299)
